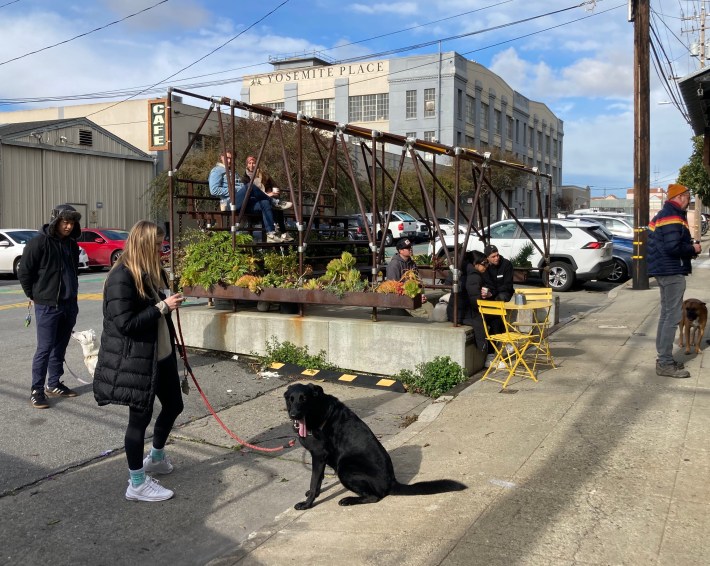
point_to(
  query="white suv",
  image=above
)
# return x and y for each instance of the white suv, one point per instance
(579, 250)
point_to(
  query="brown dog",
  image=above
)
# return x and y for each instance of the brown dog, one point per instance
(692, 324)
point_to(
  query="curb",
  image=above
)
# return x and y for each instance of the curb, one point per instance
(358, 380)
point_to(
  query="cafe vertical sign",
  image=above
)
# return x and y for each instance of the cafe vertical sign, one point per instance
(158, 124)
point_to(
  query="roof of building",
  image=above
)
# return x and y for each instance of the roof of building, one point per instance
(695, 89)
(10, 132)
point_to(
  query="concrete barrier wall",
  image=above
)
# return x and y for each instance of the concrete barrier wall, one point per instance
(351, 342)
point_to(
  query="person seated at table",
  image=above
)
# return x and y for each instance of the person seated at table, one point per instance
(473, 265)
(264, 182)
(498, 278)
(258, 201)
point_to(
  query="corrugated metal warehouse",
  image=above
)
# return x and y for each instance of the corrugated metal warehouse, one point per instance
(73, 161)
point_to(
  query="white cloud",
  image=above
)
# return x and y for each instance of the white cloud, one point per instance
(401, 8)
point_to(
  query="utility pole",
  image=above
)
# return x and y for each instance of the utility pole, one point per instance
(639, 13)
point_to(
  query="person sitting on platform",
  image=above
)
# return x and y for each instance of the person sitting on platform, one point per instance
(498, 277)
(264, 182)
(402, 261)
(258, 201)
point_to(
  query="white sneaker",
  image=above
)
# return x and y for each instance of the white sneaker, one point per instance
(489, 360)
(501, 365)
(286, 237)
(273, 238)
(149, 490)
(164, 466)
(282, 205)
(509, 348)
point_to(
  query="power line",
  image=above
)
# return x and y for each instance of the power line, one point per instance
(228, 80)
(8, 3)
(197, 61)
(81, 34)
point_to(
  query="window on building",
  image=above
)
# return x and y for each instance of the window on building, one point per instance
(369, 107)
(429, 102)
(539, 141)
(429, 135)
(200, 140)
(485, 118)
(318, 108)
(470, 109)
(525, 135)
(470, 142)
(497, 121)
(531, 136)
(458, 139)
(554, 149)
(276, 105)
(547, 145)
(411, 135)
(411, 104)
(459, 104)
(509, 120)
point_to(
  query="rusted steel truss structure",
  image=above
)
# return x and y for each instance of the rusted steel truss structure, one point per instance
(372, 144)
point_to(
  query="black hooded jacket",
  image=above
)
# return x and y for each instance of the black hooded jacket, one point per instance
(42, 264)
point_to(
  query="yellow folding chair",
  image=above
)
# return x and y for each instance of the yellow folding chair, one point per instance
(509, 345)
(540, 301)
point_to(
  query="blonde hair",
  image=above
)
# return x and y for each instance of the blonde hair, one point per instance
(140, 258)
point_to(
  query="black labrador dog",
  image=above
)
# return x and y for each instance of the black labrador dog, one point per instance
(336, 436)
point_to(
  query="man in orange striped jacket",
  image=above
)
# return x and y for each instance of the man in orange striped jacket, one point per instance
(670, 249)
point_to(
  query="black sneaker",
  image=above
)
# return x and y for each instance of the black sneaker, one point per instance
(60, 390)
(38, 400)
(671, 370)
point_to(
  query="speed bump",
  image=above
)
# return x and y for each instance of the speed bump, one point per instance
(359, 380)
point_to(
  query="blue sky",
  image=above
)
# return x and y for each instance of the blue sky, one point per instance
(576, 59)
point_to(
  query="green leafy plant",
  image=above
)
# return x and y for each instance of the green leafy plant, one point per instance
(341, 276)
(210, 259)
(433, 378)
(522, 258)
(289, 353)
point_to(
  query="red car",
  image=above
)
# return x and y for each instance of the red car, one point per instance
(103, 245)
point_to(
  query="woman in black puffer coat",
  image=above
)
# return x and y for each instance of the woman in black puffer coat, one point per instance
(473, 266)
(137, 360)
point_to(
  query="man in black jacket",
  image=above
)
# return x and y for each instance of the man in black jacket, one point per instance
(499, 275)
(48, 273)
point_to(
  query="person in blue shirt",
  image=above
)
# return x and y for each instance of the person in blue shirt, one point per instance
(258, 200)
(670, 249)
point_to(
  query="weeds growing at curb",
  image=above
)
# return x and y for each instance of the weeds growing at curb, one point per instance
(289, 353)
(433, 378)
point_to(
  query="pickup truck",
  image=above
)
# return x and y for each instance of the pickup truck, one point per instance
(401, 225)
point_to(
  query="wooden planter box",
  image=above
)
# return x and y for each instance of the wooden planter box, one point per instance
(428, 273)
(303, 296)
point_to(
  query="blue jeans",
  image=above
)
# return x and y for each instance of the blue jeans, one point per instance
(672, 289)
(258, 202)
(54, 326)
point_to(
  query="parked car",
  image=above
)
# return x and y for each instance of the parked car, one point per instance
(579, 250)
(12, 242)
(422, 231)
(448, 226)
(617, 225)
(103, 245)
(356, 227)
(401, 225)
(623, 250)
(83, 259)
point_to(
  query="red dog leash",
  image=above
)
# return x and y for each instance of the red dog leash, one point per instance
(183, 355)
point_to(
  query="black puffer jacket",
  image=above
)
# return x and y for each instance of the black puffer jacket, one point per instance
(127, 364)
(42, 263)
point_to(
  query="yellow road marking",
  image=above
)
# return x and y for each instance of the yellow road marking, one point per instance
(347, 377)
(82, 297)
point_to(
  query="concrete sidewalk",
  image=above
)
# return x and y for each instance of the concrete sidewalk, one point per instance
(600, 462)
